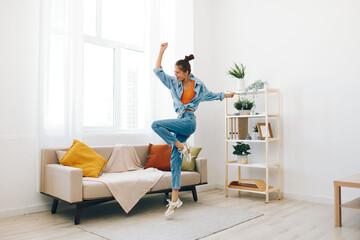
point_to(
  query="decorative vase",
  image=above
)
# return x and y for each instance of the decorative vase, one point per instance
(240, 84)
(244, 112)
(258, 136)
(242, 159)
(248, 137)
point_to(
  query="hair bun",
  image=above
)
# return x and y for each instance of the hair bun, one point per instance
(190, 57)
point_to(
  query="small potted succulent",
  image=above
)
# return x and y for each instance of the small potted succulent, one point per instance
(241, 151)
(239, 73)
(244, 106)
(256, 133)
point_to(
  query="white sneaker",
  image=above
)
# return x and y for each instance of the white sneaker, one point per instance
(172, 206)
(186, 152)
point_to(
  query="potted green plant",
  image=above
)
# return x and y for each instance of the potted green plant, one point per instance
(244, 106)
(255, 86)
(256, 133)
(239, 73)
(241, 151)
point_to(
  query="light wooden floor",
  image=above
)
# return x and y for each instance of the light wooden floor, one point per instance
(285, 219)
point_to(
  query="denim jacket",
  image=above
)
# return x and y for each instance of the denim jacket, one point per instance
(176, 90)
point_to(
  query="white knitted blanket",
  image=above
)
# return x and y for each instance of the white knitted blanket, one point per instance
(126, 178)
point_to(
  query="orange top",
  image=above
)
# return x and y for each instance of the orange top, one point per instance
(188, 94)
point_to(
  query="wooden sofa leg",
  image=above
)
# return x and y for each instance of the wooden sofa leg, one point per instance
(166, 197)
(194, 193)
(54, 206)
(78, 214)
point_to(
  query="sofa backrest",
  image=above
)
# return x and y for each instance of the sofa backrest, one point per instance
(48, 156)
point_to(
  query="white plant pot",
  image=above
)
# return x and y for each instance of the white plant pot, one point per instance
(244, 112)
(257, 136)
(242, 159)
(240, 84)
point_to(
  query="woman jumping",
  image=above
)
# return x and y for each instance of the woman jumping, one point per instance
(187, 92)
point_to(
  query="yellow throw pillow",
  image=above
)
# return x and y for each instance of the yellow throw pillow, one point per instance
(81, 156)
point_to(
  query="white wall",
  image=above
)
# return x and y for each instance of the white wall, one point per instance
(308, 49)
(19, 90)
(204, 60)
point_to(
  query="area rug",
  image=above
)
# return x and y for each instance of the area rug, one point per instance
(194, 220)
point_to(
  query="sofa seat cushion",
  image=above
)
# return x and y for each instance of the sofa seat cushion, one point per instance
(95, 190)
(187, 178)
(98, 190)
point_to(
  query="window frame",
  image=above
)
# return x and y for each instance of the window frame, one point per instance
(117, 47)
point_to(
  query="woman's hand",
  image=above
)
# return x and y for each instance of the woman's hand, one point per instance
(163, 46)
(229, 95)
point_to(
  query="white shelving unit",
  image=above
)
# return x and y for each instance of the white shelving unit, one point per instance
(233, 128)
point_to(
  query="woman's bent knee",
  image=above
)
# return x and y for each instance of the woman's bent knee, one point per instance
(154, 125)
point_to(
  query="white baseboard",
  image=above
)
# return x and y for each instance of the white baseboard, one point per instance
(308, 198)
(206, 187)
(25, 210)
(220, 186)
(62, 206)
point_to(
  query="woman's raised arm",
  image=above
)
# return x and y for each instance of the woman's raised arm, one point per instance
(161, 53)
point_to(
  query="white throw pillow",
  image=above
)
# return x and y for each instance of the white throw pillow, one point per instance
(60, 154)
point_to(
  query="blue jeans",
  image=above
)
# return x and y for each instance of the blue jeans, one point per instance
(173, 130)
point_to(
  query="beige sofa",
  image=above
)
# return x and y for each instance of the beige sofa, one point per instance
(66, 183)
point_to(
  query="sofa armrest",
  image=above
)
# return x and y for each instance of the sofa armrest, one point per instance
(201, 167)
(64, 182)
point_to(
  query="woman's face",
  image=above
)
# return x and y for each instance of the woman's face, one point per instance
(180, 75)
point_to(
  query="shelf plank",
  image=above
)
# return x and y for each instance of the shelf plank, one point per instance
(273, 139)
(245, 190)
(243, 140)
(352, 204)
(252, 165)
(274, 189)
(254, 141)
(260, 91)
(252, 116)
(244, 116)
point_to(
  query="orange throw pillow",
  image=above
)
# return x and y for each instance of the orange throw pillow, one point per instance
(159, 157)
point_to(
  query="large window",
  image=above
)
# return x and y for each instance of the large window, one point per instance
(114, 33)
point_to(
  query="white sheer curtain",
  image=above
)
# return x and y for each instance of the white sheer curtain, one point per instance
(160, 28)
(61, 72)
(61, 68)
